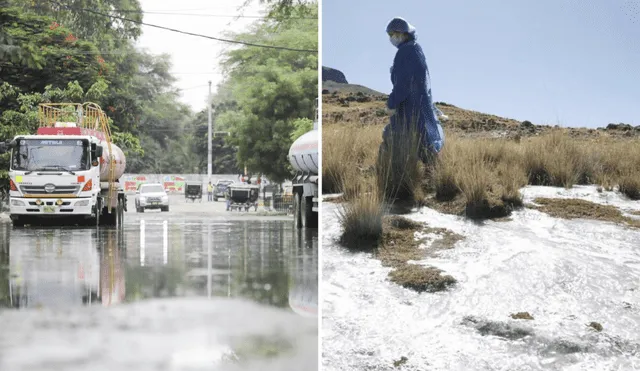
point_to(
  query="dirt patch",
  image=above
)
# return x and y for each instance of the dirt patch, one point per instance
(572, 208)
(596, 326)
(455, 206)
(487, 209)
(399, 245)
(400, 362)
(522, 315)
(491, 209)
(421, 278)
(500, 329)
(401, 223)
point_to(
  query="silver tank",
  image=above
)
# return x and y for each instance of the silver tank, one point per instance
(303, 154)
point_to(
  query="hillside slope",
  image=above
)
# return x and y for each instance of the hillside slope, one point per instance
(349, 103)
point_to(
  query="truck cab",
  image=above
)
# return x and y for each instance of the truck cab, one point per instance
(53, 176)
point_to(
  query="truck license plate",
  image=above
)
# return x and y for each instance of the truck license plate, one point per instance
(155, 203)
(49, 209)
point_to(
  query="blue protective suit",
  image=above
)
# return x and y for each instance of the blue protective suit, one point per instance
(411, 94)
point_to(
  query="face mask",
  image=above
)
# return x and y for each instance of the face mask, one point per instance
(396, 40)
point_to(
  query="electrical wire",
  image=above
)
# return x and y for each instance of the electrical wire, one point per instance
(217, 15)
(184, 32)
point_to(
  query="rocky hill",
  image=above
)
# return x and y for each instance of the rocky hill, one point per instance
(331, 74)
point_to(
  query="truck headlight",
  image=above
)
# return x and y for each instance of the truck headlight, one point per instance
(17, 203)
(82, 203)
(143, 200)
(165, 198)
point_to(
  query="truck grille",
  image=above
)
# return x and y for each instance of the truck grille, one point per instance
(39, 189)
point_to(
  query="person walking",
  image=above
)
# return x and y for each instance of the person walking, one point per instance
(410, 104)
(210, 191)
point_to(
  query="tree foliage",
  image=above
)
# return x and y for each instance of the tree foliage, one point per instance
(50, 54)
(272, 89)
(58, 51)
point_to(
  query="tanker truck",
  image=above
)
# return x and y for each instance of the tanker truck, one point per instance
(68, 170)
(303, 156)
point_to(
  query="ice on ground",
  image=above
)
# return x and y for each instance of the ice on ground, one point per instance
(566, 273)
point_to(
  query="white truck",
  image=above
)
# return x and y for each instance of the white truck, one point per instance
(69, 170)
(303, 156)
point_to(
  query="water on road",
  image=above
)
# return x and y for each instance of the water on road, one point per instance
(189, 289)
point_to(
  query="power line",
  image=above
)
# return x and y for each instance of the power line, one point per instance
(185, 32)
(226, 15)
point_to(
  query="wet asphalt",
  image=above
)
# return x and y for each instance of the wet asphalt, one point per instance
(196, 250)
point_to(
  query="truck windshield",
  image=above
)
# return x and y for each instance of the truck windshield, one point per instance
(51, 154)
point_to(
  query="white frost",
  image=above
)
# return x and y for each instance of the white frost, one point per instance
(566, 273)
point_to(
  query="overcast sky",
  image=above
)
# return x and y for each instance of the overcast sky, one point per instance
(195, 60)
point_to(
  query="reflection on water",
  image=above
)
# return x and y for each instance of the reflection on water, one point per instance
(267, 261)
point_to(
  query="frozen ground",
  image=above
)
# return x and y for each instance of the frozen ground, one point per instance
(176, 334)
(566, 273)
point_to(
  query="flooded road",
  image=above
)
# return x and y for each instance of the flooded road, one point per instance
(247, 282)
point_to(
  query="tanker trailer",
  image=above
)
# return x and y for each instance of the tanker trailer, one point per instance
(69, 170)
(303, 156)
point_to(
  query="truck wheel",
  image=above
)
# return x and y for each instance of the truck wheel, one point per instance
(309, 219)
(165, 208)
(120, 213)
(109, 219)
(297, 211)
(17, 222)
(215, 199)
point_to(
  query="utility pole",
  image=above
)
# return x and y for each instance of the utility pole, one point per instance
(210, 149)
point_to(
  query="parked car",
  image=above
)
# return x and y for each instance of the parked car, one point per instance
(221, 188)
(151, 196)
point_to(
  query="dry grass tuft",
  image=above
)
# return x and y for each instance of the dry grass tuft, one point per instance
(361, 219)
(347, 153)
(570, 208)
(399, 169)
(629, 185)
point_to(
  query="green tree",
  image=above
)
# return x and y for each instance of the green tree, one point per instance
(301, 126)
(272, 88)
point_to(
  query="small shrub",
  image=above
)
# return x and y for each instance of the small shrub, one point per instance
(511, 178)
(629, 185)
(361, 220)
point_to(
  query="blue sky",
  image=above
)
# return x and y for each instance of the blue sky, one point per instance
(557, 62)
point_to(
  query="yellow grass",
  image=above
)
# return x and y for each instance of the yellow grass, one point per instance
(487, 172)
(361, 218)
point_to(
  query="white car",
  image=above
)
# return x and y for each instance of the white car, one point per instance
(151, 196)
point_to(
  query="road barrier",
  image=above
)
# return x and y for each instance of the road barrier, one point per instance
(173, 183)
